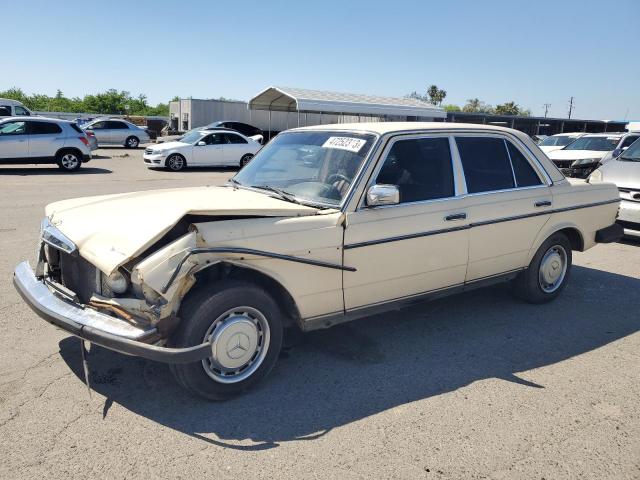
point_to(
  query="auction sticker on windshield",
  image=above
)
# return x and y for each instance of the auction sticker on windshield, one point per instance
(345, 143)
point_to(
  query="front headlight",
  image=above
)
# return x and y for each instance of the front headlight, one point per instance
(116, 282)
(54, 237)
(595, 177)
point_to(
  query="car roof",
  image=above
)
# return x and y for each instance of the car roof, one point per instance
(569, 134)
(34, 118)
(394, 127)
(604, 134)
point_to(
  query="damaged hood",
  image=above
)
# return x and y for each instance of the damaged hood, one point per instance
(109, 230)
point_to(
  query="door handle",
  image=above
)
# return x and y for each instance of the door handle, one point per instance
(543, 203)
(456, 216)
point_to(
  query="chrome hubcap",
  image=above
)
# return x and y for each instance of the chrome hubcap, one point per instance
(176, 163)
(246, 160)
(239, 343)
(133, 142)
(69, 161)
(553, 269)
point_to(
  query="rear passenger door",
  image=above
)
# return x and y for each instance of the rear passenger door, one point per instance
(45, 138)
(234, 148)
(118, 131)
(508, 202)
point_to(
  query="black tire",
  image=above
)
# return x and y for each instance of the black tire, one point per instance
(200, 311)
(132, 142)
(69, 160)
(175, 162)
(531, 285)
(245, 159)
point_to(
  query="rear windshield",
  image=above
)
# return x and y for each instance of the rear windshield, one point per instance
(76, 128)
(600, 144)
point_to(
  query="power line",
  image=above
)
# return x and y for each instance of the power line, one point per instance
(546, 109)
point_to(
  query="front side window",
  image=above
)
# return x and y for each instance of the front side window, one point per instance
(309, 167)
(20, 111)
(526, 176)
(421, 168)
(13, 128)
(5, 111)
(631, 154)
(97, 126)
(44, 128)
(213, 139)
(599, 144)
(485, 163)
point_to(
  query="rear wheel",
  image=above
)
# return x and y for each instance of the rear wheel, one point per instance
(132, 142)
(245, 159)
(243, 324)
(69, 160)
(548, 271)
(175, 162)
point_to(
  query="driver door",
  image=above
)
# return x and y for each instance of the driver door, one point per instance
(211, 153)
(14, 141)
(417, 246)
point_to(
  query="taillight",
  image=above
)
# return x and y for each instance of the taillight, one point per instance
(84, 140)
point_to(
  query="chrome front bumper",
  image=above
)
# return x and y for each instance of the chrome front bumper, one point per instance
(98, 328)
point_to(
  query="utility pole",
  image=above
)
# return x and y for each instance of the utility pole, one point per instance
(570, 106)
(546, 109)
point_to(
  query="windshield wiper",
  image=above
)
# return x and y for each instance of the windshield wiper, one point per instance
(235, 182)
(289, 197)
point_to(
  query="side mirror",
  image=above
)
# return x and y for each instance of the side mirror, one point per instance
(201, 143)
(383, 195)
(617, 152)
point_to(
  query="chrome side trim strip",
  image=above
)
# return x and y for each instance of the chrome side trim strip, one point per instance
(248, 251)
(474, 224)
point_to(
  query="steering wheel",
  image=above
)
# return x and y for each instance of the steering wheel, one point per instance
(337, 176)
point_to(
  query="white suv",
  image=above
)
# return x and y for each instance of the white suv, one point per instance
(29, 140)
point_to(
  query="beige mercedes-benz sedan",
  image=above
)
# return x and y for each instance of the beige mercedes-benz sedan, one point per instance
(326, 224)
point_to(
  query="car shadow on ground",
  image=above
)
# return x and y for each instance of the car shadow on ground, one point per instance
(333, 377)
(51, 170)
(198, 169)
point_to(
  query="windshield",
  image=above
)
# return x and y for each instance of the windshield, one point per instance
(191, 136)
(631, 154)
(600, 144)
(316, 167)
(557, 141)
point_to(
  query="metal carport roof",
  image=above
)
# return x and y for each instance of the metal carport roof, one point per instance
(287, 99)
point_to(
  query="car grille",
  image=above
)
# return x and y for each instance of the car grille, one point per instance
(78, 275)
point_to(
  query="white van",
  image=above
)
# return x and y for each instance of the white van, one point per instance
(13, 108)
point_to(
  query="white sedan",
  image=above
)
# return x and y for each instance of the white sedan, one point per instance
(203, 148)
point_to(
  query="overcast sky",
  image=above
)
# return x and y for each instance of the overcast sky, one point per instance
(530, 52)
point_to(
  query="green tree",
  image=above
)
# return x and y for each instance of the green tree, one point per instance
(511, 108)
(451, 108)
(475, 105)
(436, 95)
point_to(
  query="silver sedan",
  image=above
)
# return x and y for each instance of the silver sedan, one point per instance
(117, 132)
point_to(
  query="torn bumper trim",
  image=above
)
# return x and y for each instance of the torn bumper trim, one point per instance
(95, 327)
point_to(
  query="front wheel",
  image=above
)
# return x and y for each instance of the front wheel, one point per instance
(243, 323)
(175, 162)
(548, 272)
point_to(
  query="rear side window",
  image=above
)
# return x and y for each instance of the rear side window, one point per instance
(526, 176)
(485, 163)
(117, 125)
(231, 138)
(421, 168)
(44, 128)
(76, 128)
